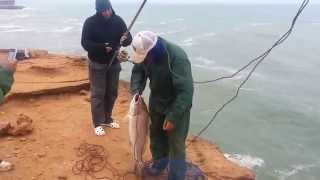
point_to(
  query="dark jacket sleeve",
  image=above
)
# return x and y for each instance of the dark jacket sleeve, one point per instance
(87, 41)
(6, 81)
(183, 87)
(138, 79)
(124, 29)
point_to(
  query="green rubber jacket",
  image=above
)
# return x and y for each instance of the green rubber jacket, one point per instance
(171, 83)
(6, 80)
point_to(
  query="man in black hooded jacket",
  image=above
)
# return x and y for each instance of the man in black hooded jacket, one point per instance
(102, 34)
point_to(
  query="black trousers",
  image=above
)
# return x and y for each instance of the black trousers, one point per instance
(104, 84)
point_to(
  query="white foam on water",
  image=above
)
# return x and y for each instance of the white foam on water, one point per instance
(63, 30)
(191, 41)
(257, 24)
(9, 26)
(163, 23)
(29, 9)
(187, 42)
(286, 174)
(171, 32)
(140, 22)
(236, 29)
(179, 19)
(249, 89)
(209, 34)
(204, 35)
(22, 16)
(205, 60)
(208, 64)
(245, 160)
(71, 20)
(17, 30)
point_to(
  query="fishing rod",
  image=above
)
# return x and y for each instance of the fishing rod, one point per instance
(128, 31)
(114, 55)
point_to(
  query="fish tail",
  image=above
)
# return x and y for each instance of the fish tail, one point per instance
(139, 167)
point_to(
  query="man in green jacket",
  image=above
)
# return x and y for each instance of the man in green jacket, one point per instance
(169, 70)
(7, 68)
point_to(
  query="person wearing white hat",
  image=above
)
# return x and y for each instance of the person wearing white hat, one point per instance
(168, 68)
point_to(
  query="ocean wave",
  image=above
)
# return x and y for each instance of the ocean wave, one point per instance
(187, 42)
(16, 30)
(286, 174)
(223, 71)
(260, 24)
(171, 32)
(71, 20)
(203, 61)
(179, 19)
(245, 160)
(29, 9)
(63, 30)
(191, 41)
(209, 64)
(236, 29)
(249, 89)
(163, 23)
(204, 35)
(21, 16)
(9, 26)
(140, 22)
(209, 34)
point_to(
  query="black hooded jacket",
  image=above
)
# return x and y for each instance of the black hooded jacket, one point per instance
(98, 33)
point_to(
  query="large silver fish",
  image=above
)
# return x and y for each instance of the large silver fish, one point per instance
(138, 131)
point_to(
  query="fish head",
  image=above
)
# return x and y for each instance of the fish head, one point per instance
(135, 104)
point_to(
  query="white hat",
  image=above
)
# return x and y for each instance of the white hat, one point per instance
(142, 43)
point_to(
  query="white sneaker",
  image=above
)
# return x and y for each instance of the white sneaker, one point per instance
(112, 125)
(5, 166)
(99, 131)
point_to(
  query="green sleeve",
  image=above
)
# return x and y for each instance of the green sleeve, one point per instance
(138, 79)
(183, 87)
(6, 80)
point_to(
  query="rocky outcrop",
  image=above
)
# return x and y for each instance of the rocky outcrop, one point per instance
(53, 91)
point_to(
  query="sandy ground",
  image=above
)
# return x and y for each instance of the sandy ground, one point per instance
(62, 122)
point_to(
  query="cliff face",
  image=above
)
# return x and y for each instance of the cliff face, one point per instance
(53, 91)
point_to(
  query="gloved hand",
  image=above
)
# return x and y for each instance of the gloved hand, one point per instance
(123, 38)
(108, 47)
(8, 64)
(123, 56)
(168, 126)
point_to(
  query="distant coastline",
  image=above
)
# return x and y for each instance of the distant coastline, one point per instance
(11, 7)
(9, 4)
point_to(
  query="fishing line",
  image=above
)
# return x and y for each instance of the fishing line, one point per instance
(95, 160)
(262, 58)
